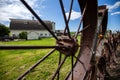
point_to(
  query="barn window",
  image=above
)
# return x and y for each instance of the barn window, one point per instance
(41, 34)
(45, 34)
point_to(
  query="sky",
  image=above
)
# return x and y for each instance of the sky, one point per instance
(50, 10)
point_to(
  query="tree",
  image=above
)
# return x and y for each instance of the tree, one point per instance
(23, 35)
(4, 30)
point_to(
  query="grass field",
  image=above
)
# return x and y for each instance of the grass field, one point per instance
(14, 62)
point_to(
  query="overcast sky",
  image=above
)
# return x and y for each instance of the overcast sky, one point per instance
(50, 10)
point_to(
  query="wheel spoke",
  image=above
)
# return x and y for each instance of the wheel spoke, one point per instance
(81, 63)
(71, 71)
(65, 19)
(72, 63)
(84, 28)
(36, 64)
(39, 19)
(60, 56)
(29, 47)
(71, 5)
(59, 67)
(76, 34)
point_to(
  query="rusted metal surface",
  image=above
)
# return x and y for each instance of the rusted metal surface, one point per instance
(99, 57)
(30, 47)
(90, 18)
(71, 45)
(110, 48)
(89, 42)
(103, 11)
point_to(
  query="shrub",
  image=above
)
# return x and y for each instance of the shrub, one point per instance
(23, 35)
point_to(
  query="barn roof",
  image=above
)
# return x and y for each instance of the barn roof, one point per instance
(24, 24)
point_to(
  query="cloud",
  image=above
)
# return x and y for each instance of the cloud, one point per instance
(114, 6)
(74, 15)
(116, 13)
(15, 9)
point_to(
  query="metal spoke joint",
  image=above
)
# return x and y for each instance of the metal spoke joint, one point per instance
(71, 45)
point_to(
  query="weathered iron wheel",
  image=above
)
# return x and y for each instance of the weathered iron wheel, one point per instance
(84, 67)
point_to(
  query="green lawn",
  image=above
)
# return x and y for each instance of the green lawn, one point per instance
(14, 62)
(43, 41)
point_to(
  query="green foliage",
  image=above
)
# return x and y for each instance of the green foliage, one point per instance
(23, 35)
(4, 30)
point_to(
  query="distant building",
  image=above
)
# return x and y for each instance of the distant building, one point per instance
(34, 29)
(59, 32)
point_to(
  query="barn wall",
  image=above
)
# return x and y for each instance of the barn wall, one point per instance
(31, 34)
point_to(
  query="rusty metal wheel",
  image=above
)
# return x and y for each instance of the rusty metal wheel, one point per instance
(83, 66)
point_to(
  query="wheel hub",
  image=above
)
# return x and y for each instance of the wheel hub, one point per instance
(71, 45)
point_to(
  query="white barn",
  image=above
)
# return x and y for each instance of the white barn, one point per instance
(34, 29)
